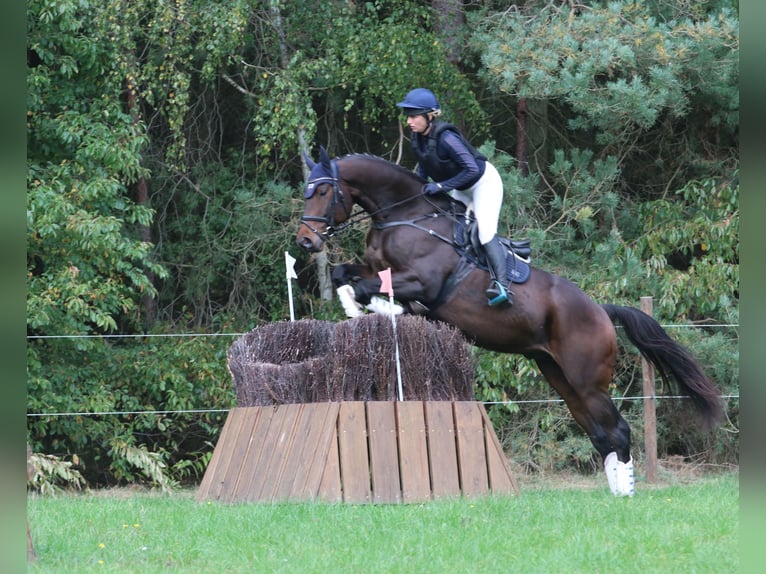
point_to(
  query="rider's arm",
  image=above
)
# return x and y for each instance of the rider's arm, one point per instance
(469, 169)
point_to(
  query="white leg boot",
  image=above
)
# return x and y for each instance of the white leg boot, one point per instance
(380, 305)
(625, 481)
(610, 467)
(347, 299)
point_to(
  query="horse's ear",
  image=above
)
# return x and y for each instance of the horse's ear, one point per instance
(309, 162)
(324, 157)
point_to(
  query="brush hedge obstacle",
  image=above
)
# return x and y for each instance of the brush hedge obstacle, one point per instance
(311, 361)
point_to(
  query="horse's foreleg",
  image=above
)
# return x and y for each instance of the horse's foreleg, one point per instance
(355, 286)
(343, 278)
(610, 436)
(349, 273)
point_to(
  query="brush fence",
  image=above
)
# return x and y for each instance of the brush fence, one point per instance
(317, 416)
(311, 361)
(357, 452)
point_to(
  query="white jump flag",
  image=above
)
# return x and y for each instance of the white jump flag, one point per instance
(387, 287)
(290, 274)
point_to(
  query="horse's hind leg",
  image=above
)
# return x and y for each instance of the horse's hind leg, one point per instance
(595, 412)
(612, 439)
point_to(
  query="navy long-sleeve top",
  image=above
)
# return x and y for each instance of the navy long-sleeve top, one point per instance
(445, 157)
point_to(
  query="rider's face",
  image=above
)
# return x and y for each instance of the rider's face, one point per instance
(417, 124)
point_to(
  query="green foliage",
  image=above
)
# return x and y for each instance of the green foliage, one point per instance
(174, 376)
(84, 269)
(691, 249)
(377, 51)
(378, 69)
(128, 457)
(617, 67)
(224, 244)
(86, 266)
(53, 475)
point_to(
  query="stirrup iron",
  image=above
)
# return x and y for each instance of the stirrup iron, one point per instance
(502, 295)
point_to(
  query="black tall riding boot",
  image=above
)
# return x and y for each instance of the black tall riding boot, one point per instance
(498, 290)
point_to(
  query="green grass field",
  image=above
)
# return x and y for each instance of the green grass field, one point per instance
(689, 527)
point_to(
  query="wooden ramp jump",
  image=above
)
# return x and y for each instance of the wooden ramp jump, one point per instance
(357, 452)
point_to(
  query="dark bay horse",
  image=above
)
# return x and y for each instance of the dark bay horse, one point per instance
(571, 338)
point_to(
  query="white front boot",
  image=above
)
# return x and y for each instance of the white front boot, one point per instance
(380, 305)
(349, 302)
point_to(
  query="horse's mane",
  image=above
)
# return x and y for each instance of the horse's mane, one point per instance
(396, 167)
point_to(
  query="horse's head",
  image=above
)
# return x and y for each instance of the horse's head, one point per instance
(385, 191)
(326, 203)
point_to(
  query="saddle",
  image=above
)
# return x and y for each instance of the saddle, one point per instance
(467, 244)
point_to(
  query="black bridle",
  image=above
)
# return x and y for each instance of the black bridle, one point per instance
(337, 197)
(352, 218)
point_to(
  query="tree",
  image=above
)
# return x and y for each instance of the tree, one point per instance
(86, 260)
(633, 106)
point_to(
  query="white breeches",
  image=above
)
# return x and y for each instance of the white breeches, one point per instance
(484, 198)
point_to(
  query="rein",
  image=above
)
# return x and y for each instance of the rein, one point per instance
(414, 223)
(362, 215)
(358, 216)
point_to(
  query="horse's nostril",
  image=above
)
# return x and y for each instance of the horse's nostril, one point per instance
(305, 243)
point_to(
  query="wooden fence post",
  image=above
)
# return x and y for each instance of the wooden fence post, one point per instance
(650, 416)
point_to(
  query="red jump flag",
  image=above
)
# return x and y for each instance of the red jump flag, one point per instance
(385, 282)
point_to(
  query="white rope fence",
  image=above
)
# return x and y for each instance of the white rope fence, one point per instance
(170, 335)
(204, 411)
(201, 411)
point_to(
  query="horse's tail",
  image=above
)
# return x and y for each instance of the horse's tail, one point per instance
(671, 360)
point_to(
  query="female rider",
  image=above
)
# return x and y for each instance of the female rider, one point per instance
(456, 167)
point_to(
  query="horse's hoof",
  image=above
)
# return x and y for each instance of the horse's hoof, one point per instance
(418, 308)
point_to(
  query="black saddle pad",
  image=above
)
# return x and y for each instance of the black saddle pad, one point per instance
(517, 270)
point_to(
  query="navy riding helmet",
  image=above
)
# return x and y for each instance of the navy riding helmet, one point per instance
(419, 101)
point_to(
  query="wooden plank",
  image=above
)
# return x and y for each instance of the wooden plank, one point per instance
(413, 451)
(281, 443)
(214, 467)
(501, 479)
(441, 449)
(330, 487)
(384, 456)
(353, 455)
(259, 421)
(229, 451)
(317, 448)
(294, 457)
(232, 461)
(471, 452)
